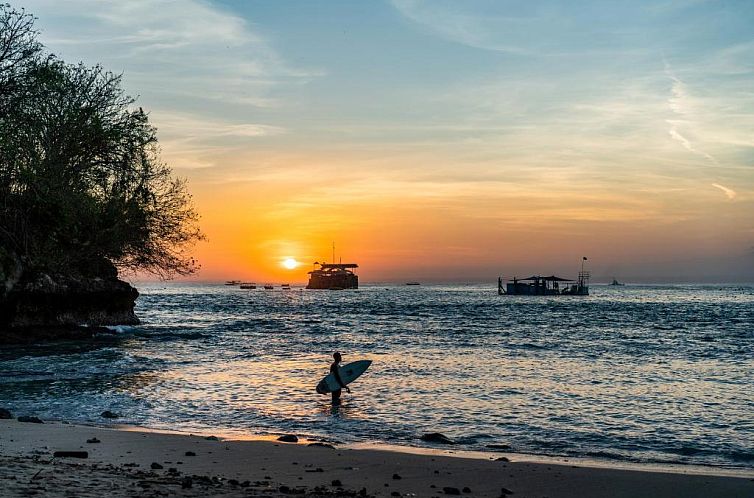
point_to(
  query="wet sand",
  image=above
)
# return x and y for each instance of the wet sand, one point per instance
(121, 464)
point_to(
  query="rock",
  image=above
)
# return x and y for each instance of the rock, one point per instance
(436, 437)
(449, 490)
(109, 414)
(395, 493)
(93, 440)
(31, 420)
(156, 466)
(322, 445)
(505, 492)
(5, 414)
(71, 454)
(502, 459)
(187, 483)
(212, 438)
(336, 483)
(39, 306)
(396, 477)
(288, 438)
(466, 489)
(190, 453)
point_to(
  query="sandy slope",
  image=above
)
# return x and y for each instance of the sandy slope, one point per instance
(120, 465)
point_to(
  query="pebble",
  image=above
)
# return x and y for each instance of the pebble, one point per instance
(502, 459)
(156, 466)
(93, 440)
(190, 453)
(288, 438)
(449, 490)
(5, 414)
(212, 438)
(396, 477)
(109, 414)
(336, 483)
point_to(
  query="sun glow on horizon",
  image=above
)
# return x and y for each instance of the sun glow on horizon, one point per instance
(290, 263)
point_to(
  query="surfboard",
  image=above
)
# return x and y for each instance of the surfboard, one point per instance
(348, 373)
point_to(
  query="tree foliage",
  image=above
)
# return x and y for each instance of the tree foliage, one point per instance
(81, 180)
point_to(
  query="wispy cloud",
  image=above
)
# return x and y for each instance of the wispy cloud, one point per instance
(682, 105)
(729, 193)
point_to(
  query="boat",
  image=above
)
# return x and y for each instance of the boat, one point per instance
(538, 285)
(286, 286)
(248, 285)
(233, 282)
(334, 276)
(616, 283)
(413, 283)
(268, 287)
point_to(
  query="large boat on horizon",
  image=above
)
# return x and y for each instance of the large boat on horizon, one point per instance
(333, 276)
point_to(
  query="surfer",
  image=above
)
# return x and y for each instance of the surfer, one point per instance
(334, 370)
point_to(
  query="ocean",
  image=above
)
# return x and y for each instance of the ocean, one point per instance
(660, 374)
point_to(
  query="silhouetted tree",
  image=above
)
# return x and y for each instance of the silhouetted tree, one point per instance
(81, 181)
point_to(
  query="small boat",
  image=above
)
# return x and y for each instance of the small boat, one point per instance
(413, 283)
(616, 283)
(268, 287)
(233, 282)
(248, 285)
(286, 286)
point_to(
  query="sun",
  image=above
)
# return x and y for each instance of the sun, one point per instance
(290, 263)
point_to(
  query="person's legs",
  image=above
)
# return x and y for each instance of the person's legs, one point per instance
(336, 397)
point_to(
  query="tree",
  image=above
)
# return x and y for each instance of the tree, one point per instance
(81, 180)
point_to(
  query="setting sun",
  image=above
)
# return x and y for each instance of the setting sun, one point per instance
(290, 263)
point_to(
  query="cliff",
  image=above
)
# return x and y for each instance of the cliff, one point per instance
(39, 305)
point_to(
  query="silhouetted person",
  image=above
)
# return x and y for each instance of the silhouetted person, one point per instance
(336, 373)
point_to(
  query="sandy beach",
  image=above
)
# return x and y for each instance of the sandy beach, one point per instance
(128, 461)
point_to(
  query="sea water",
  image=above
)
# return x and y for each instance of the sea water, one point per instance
(661, 374)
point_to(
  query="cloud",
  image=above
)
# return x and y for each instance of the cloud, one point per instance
(729, 193)
(682, 104)
(168, 48)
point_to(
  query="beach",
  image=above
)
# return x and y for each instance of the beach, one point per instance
(129, 461)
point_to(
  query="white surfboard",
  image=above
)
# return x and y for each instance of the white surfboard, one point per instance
(348, 373)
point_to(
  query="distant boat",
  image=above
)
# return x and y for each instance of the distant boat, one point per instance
(248, 285)
(268, 287)
(413, 283)
(616, 283)
(286, 286)
(233, 282)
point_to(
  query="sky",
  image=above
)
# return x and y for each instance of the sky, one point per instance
(444, 140)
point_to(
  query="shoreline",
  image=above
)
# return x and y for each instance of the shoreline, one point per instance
(217, 466)
(451, 451)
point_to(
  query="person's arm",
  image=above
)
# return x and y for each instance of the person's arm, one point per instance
(342, 384)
